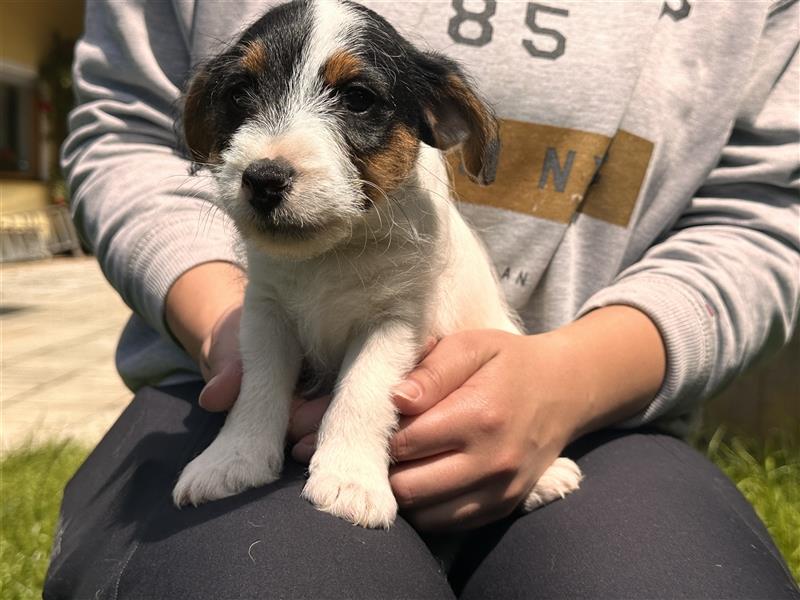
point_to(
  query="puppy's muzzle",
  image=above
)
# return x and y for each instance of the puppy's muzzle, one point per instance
(266, 183)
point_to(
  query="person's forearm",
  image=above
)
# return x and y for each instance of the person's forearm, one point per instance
(198, 299)
(617, 363)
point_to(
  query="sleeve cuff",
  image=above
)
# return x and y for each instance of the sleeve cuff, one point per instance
(167, 252)
(686, 324)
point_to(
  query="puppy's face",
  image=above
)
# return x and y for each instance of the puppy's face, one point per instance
(315, 115)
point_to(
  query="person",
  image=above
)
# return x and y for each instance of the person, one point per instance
(644, 224)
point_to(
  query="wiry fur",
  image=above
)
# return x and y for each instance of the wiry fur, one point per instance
(351, 282)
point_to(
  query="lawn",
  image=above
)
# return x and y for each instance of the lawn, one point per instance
(768, 474)
(31, 480)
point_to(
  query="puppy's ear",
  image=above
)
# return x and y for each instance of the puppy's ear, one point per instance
(197, 119)
(454, 115)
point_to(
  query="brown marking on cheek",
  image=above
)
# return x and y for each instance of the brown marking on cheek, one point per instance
(388, 168)
(254, 57)
(341, 68)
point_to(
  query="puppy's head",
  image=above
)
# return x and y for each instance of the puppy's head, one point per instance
(315, 115)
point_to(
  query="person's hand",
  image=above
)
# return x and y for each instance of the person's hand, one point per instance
(482, 417)
(477, 428)
(203, 310)
(486, 412)
(221, 363)
(304, 420)
(493, 410)
(479, 424)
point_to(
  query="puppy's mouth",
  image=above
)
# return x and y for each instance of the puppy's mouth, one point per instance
(284, 227)
(289, 230)
(285, 238)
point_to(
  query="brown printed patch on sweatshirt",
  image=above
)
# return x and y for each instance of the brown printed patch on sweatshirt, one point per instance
(553, 172)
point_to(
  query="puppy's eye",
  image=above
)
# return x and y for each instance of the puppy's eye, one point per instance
(237, 96)
(357, 99)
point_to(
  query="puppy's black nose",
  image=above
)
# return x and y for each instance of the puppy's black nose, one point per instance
(267, 182)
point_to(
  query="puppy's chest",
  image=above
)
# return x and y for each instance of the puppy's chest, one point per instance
(324, 315)
(330, 304)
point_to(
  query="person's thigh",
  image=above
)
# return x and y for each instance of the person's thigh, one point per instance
(121, 537)
(653, 519)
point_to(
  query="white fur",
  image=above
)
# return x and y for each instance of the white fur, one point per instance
(356, 299)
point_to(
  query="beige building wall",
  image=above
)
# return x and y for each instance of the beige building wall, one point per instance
(26, 32)
(18, 195)
(27, 26)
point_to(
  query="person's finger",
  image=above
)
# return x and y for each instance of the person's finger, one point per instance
(307, 417)
(433, 480)
(222, 390)
(304, 449)
(449, 364)
(440, 429)
(430, 344)
(468, 511)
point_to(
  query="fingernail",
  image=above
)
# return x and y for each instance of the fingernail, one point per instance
(201, 400)
(408, 390)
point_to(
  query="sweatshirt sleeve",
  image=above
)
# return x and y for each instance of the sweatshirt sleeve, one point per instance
(723, 285)
(132, 198)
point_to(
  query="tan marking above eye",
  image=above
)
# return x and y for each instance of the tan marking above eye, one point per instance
(254, 57)
(341, 67)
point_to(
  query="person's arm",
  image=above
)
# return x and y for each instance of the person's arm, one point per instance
(723, 284)
(616, 356)
(132, 197)
(203, 310)
(198, 299)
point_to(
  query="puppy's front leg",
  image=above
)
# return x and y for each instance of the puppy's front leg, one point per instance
(248, 450)
(349, 470)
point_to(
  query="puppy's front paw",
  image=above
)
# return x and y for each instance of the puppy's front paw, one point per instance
(225, 469)
(366, 501)
(560, 478)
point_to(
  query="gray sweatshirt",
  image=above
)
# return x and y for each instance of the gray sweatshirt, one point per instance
(650, 158)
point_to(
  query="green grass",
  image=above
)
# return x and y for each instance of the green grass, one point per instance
(31, 481)
(768, 474)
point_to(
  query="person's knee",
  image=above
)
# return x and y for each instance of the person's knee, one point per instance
(270, 542)
(653, 518)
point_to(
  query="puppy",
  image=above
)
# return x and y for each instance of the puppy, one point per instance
(325, 129)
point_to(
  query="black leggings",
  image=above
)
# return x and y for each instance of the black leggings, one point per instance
(653, 519)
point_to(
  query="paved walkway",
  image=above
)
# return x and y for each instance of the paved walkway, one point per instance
(59, 325)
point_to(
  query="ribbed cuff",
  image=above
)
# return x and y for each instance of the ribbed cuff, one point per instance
(686, 324)
(167, 252)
